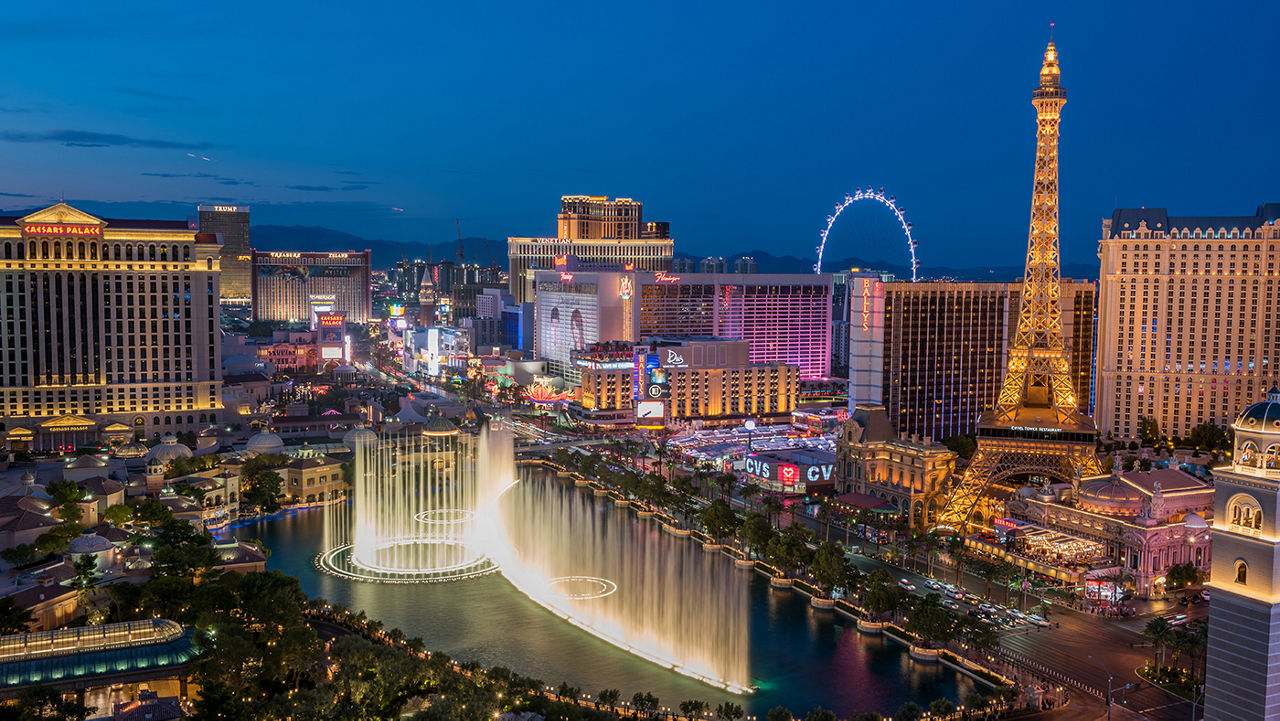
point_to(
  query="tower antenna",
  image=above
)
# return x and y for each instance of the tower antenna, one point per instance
(459, 221)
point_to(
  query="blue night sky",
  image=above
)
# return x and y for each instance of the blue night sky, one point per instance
(739, 123)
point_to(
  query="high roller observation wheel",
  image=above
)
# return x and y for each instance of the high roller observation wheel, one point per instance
(887, 201)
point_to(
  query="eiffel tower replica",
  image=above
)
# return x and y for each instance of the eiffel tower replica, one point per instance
(1035, 430)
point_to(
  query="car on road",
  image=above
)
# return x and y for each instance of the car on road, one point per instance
(1176, 619)
(1015, 613)
(955, 593)
(907, 584)
(1038, 620)
(932, 584)
(948, 603)
(987, 608)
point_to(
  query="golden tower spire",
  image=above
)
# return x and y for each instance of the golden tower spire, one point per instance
(1035, 430)
(1039, 371)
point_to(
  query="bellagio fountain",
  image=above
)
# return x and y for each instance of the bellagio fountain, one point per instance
(431, 502)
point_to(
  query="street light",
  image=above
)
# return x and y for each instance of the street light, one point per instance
(1110, 678)
(750, 425)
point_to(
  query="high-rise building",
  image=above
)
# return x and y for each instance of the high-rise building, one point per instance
(933, 353)
(713, 264)
(597, 217)
(284, 283)
(684, 265)
(785, 317)
(1188, 331)
(746, 264)
(111, 329)
(232, 223)
(408, 277)
(1241, 678)
(1035, 430)
(595, 230)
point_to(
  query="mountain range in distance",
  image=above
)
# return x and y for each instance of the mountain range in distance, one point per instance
(493, 251)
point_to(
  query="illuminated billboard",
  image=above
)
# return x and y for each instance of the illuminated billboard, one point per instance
(651, 414)
(395, 310)
(331, 353)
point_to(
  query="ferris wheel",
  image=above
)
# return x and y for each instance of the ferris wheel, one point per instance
(887, 201)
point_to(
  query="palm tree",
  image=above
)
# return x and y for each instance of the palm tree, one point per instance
(931, 544)
(1159, 632)
(772, 506)
(609, 696)
(725, 482)
(701, 472)
(749, 493)
(910, 548)
(955, 549)
(825, 512)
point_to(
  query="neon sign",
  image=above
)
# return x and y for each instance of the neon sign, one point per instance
(562, 261)
(664, 277)
(624, 289)
(866, 303)
(332, 321)
(64, 229)
(566, 277)
(788, 473)
(629, 267)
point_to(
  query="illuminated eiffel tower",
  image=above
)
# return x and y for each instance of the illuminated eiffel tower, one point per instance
(1035, 430)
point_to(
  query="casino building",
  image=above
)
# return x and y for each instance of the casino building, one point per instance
(232, 223)
(785, 318)
(284, 285)
(111, 329)
(595, 230)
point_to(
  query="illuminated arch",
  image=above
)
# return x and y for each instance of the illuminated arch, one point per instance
(887, 201)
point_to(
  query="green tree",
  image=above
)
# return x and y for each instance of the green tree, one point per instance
(118, 515)
(264, 491)
(56, 539)
(719, 519)
(1160, 633)
(693, 707)
(772, 507)
(830, 566)
(778, 713)
(86, 576)
(955, 550)
(941, 707)
(820, 714)
(749, 492)
(154, 513)
(725, 483)
(908, 711)
(44, 703)
(182, 550)
(20, 555)
(930, 621)
(63, 492)
(609, 696)
(755, 533)
(964, 445)
(14, 618)
(729, 711)
(645, 702)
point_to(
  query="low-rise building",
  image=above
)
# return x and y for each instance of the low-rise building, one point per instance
(1142, 521)
(317, 479)
(910, 473)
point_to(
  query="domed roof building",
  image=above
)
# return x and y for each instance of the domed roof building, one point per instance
(265, 443)
(1111, 496)
(169, 449)
(90, 543)
(359, 437)
(1258, 434)
(131, 450)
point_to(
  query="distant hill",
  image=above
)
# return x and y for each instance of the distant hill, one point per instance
(792, 264)
(386, 253)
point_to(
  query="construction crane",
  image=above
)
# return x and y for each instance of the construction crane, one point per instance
(459, 220)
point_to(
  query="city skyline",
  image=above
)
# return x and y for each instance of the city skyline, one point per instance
(281, 122)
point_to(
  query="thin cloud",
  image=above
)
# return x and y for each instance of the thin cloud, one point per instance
(312, 188)
(355, 187)
(348, 172)
(90, 139)
(17, 195)
(221, 180)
